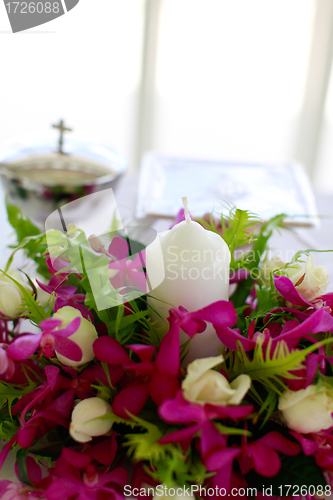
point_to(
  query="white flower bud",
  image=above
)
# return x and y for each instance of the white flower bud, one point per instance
(84, 336)
(308, 410)
(85, 422)
(204, 385)
(268, 267)
(312, 280)
(10, 295)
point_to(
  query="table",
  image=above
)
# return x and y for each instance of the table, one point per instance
(288, 242)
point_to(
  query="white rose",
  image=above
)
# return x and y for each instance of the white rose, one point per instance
(315, 279)
(268, 267)
(204, 385)
(84, 336)
(85, 422)
(10, 295)
(307, 410)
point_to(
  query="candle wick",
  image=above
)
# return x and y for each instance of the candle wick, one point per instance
(187, 215)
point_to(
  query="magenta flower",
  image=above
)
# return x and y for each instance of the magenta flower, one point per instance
(7, 365)
(144, 378)
(124, 271)
(19, 491)
(180, 411)
(287, 289)
(77, 478)
(66, 296)
(217, 456)
(262, 454)
(49, 340)
(221, 314)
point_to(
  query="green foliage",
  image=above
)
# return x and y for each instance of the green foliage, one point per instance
(251, 260)
(236, 228)
(7, 430)
(10, 392)
(29, 238)
(270, 369)
(145, 446)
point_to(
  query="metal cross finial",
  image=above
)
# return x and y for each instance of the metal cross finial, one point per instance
(62, 128)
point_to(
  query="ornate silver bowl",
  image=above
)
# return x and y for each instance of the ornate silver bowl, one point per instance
(42, 175)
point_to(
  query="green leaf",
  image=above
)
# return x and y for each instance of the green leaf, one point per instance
(51, 444)
(7, 430)
(21, 459)
(29, 238)
(10, 392)
(235, 228)
(270, 370)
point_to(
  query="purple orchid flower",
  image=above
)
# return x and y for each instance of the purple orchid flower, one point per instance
(19, 491)
(124, 271)
(56, 413)
(144, 379)
(287, 289)
(216, 455)
(220, 314)
(77, 477)
(180, 411)
(66, 296)
(7, 365)
(49, 340)
(262, 454)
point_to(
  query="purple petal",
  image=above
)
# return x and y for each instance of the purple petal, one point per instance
(138, 280)
(24, 346)
(267, 462)
(51, 373)
(145, 352)
(138, 262)
(50, 324)
(234, 412)
(287, 289)
(63, 405)
(275, 440)
(34, 471)
(219, 459)
(118, 248)
(221, 313)
(313, 324)
(130, 400)
(230, 338)
(182, 436)
(77, 459)
(168, 357)
(69, 329)
(3, 361)
(108, 350)
(239, 275)
(63, 488)
(211, 440)
(178, 410)
(308, 446)
(67, 348)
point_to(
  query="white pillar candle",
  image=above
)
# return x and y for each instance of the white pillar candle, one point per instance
(196, 265)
